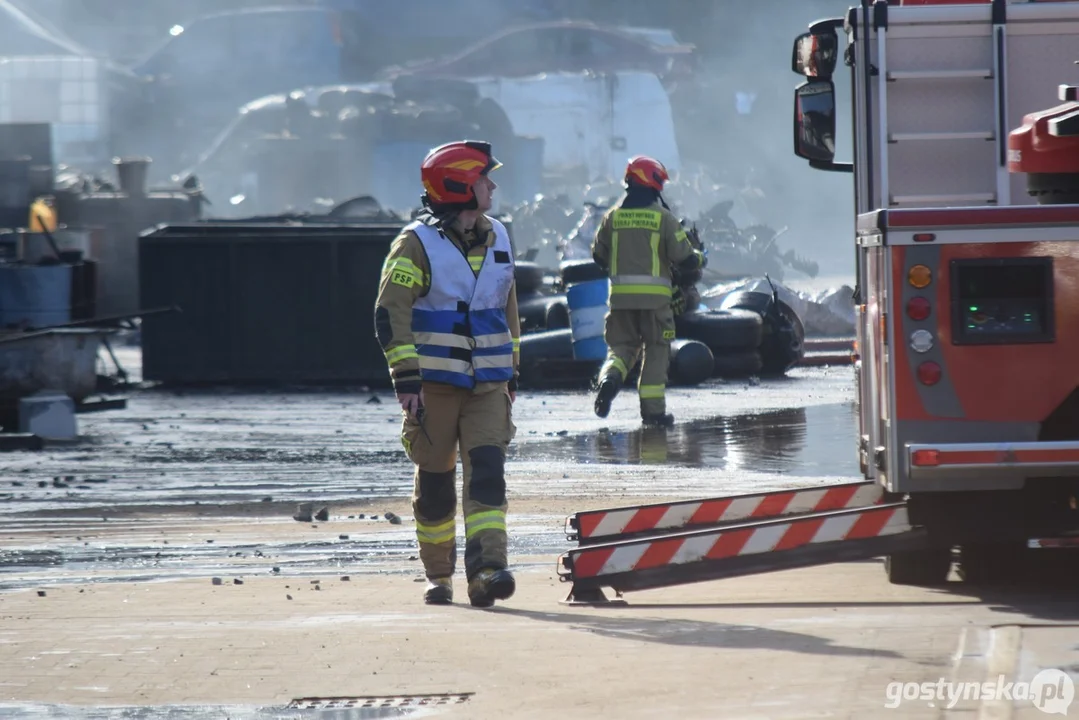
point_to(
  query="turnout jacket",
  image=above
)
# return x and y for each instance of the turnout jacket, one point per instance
(637, 247)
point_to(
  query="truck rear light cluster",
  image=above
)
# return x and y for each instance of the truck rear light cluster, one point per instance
(918, 309)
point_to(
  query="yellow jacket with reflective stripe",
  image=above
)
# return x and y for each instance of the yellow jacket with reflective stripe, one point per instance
(638, 247)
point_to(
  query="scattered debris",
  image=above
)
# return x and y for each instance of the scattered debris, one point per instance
(829, 313)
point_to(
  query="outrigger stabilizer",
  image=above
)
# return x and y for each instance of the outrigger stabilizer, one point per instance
(665, 544)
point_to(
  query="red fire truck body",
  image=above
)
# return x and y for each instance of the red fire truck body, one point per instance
(967, 301)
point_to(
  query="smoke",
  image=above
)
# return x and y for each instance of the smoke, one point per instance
(738, 120)
(734, 120)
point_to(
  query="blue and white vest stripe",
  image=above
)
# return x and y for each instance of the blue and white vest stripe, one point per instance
(460, 328)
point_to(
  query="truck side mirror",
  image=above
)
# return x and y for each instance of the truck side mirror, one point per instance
(814, 121)
(815, 53)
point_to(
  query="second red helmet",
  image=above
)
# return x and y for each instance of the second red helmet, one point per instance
(646, 171)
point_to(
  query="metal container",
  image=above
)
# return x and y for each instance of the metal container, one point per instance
(263, 303)
(62, 360)
(35, 296)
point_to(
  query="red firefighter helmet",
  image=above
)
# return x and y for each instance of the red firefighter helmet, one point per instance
(449, 171)
(646, 171)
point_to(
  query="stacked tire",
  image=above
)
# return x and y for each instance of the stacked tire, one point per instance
(782, 343)
(733, 335)
(538, 310)
(750, 334)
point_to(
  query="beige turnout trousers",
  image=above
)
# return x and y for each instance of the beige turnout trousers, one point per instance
(626, 331)
(479, 424)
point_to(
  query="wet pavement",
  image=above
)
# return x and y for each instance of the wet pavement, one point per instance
(176, 450)
(228, 467)
(794, 442)
(145, 460)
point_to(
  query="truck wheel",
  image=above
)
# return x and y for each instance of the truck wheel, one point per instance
(991, 563)
(919, 567)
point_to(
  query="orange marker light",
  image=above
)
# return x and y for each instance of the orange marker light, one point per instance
(919, 276)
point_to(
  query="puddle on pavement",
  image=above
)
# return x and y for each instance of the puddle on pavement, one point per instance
(208, 712)
(816, 441)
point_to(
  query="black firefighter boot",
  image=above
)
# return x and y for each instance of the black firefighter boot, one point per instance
(664, 420)
(608, 389)
(490, 585)
(439, 591)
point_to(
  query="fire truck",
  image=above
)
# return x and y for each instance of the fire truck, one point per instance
(965, 165)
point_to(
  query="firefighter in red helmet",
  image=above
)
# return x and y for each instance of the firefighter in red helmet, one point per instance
(638, 244)
(446, 318)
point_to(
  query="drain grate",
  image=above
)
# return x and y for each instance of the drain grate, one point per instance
(379, 701)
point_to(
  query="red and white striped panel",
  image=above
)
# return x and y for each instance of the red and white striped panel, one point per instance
(636, 555)
(758, 506)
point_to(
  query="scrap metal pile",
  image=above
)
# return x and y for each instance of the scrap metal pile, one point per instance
(744, 322)
(556, 228)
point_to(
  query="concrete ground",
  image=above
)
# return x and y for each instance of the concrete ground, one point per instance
(816, 642)
(154, 570)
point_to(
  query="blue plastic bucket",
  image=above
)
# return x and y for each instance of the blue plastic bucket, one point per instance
(587, 303)
(35, 296)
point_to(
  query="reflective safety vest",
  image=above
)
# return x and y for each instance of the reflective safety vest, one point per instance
(635, 267)
(460, 328)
